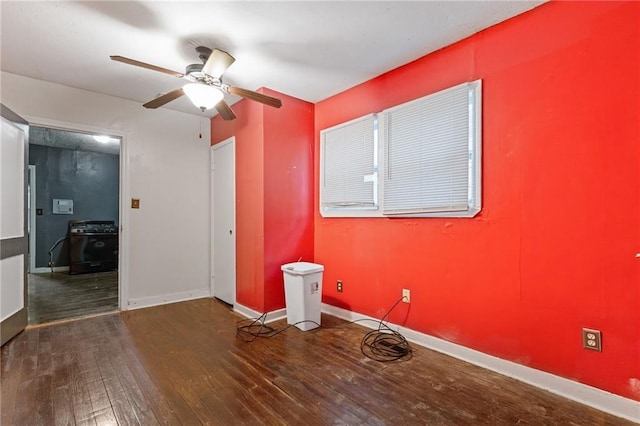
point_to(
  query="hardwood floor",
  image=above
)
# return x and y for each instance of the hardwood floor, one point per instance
(183, 364)
(58, 295)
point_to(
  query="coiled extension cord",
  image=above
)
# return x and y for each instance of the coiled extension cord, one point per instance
(382, 344)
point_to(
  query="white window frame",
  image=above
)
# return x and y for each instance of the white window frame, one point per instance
(352, 209)
(452, 195)
(474, 166)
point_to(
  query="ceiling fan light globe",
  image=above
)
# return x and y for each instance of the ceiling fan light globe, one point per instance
(203, 96)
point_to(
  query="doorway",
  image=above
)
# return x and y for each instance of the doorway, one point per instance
(74, 178)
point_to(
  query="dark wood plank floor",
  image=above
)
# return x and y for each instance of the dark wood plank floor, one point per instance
(183, 364)
(56, 296)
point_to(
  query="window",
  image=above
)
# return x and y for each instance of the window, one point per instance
(430, 161)
(349, 173)
(432, 154)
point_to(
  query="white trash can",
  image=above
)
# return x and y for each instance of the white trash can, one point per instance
(303, 293)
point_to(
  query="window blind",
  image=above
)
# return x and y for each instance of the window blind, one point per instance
(349, 165)
(428, 149)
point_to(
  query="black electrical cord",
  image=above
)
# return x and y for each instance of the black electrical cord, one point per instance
(51, 264)
(383, 344)
(257, 328)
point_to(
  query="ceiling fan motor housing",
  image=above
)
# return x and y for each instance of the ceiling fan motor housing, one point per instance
(194, 73)
(203, 53)
(194, 68)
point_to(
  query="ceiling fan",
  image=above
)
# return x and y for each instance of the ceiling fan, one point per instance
(205, 88)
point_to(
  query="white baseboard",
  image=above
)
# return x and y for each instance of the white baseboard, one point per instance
(44, 270)
(584, 394)
(145, 302)
(250, 313)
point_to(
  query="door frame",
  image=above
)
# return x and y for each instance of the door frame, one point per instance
(123, 188)
(31, 212)
(230, 141)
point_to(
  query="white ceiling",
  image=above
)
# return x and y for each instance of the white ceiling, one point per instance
(307, 49)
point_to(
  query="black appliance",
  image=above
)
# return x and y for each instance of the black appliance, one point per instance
(93, 246)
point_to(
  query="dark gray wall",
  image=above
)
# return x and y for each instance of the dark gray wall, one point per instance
(90, 179)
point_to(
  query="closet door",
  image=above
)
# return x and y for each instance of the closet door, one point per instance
(223, 206)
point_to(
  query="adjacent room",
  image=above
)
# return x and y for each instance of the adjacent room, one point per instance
(73, 216)
(420, 212)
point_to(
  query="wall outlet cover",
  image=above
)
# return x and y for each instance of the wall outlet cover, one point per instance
(592, 339)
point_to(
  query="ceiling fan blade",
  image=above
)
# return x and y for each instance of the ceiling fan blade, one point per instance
(255, 96)
(145, 65)
(225, 110)
(217, 64)
(163, 99)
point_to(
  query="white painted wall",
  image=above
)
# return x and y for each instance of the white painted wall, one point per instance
(166, 166)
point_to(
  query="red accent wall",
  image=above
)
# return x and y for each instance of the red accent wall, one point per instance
(274, 194)
(553, 249)
(288, 187)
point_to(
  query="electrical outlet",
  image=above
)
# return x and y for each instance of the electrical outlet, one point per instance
(406, 295)
(592, 339)
(339, 286)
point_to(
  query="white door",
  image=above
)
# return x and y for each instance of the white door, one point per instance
(223, 210)
(13, 225)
